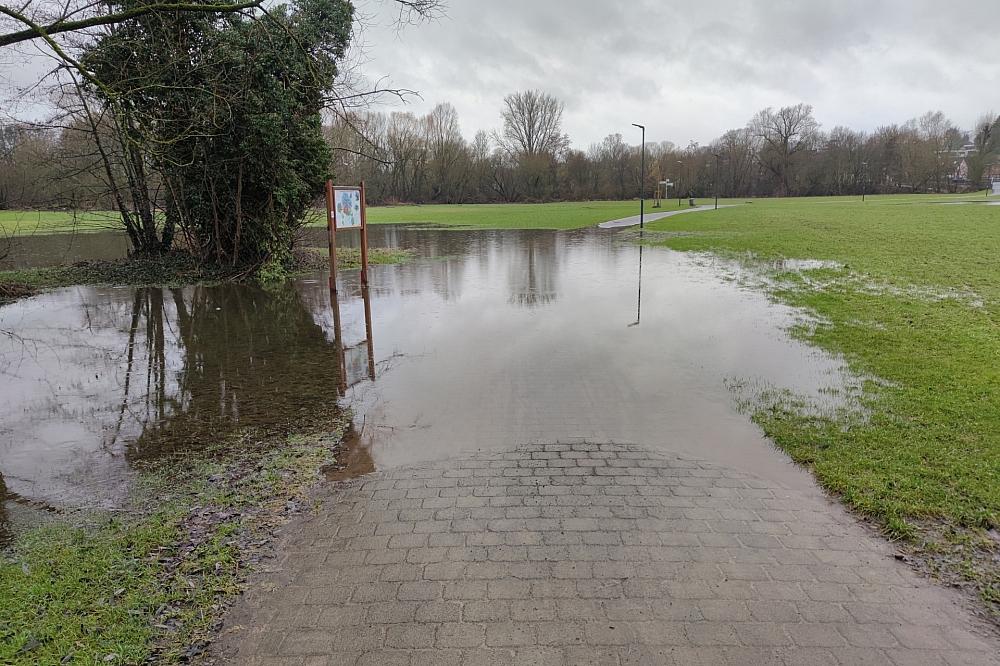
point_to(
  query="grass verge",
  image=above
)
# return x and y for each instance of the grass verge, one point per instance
(151, 582)
(916, 304)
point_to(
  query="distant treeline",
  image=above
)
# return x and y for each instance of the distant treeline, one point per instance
(408, 158)
(421, 159)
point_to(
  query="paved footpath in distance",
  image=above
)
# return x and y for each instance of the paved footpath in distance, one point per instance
(652, 217)
(590, 554)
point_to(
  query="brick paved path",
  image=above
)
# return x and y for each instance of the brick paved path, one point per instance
(591, 554)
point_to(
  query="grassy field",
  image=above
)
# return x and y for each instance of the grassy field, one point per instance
(508, 216)
(915, 304)
(564, 215)
(576, 215)
(26, 222)
(494, 216)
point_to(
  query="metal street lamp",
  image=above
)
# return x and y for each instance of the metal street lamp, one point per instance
(717, 157)
(642, 178)
(678, 183)
(864, 180)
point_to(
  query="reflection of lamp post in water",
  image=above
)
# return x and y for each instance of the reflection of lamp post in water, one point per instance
(638, 297)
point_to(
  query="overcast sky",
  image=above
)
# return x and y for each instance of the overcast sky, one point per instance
(690, 69)
(687, 69)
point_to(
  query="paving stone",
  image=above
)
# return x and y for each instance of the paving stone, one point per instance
(581, 553)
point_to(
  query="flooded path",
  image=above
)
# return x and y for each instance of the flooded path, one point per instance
(489, 339)
(538, 337)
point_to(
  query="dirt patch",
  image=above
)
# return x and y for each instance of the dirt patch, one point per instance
(964, 558)
(11, 291)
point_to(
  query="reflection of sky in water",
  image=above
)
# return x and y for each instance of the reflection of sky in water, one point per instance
(503, 338)
(525, 337)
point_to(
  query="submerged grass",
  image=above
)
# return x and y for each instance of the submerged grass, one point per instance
(174, 269)
(348, 258)
(151, 582)
(916, 304)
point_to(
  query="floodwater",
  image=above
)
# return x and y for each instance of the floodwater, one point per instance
(40, 250)
(488, 339)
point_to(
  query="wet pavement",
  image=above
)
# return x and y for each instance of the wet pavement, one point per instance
(490, 338)
(583, 553)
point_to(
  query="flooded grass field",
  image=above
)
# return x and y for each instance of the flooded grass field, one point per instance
(487, 339)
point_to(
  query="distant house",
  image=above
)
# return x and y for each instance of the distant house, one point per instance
(960, 161)
(963, 152)
(961, 174)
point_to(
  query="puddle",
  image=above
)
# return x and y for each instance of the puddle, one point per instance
(353, 459)
(506, 337)
(797, 265)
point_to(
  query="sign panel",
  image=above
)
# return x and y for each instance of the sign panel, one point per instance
(996, 188)
(347, 208)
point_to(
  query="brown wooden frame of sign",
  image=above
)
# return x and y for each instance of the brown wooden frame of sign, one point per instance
(331, 225)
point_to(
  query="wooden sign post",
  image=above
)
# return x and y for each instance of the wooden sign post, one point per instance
(346, 209)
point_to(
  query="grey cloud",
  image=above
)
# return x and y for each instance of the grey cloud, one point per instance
(694, 68)
(691, 69)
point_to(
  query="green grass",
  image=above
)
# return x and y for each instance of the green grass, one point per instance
(575, 215)
(916, 304)
(572, 215)
(27, 222)
(153, 581)
(563, 215)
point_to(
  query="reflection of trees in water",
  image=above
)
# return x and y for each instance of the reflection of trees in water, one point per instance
(5, 535)
(248, 357)
(6, 498)
(533, 270)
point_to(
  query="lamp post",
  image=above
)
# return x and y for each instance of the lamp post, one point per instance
(681, 163)
(642, 178)
(717, 157)
(864, 180)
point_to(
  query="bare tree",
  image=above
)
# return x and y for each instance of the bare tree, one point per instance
(784, 134)
(986, 139)
(613, 156)
(532, 125)
(447, 153)
(737, 149)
